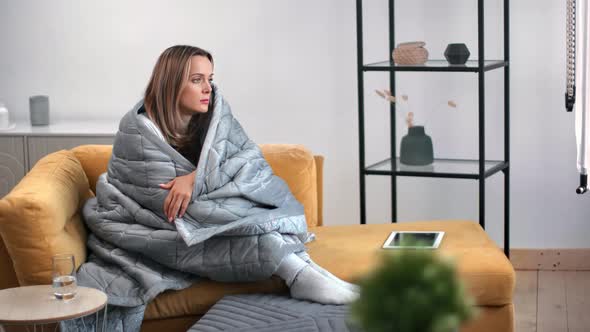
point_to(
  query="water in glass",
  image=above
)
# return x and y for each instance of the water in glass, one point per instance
(64, 278)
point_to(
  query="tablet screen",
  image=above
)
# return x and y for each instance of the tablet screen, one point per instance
(413, 240)
(421, 239)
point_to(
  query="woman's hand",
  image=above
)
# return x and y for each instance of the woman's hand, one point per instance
(181, 189)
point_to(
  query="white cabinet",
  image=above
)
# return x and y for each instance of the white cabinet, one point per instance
(23, 146)
(12, 162)
(38, 147)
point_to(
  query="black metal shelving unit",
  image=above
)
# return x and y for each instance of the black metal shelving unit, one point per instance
(475, 169)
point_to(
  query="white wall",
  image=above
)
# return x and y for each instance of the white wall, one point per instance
(288, 69)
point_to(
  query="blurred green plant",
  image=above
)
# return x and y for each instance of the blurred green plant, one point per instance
(412, 290)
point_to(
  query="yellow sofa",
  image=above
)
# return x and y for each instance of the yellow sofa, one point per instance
(40, 217)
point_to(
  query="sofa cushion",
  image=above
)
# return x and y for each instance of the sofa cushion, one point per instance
(352, 251)
(198, 298)
(40, 217)
(293, 163)
(296, 165)
(94, 160)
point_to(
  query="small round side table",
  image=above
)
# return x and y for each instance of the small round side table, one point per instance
(32, 305)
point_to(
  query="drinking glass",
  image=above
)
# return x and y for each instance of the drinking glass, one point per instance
(64, 276)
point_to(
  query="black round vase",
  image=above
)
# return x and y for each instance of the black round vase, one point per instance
(416, 147)
(457, 54)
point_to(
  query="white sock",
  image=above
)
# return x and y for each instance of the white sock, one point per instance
(311, 285)
(352, 287)
(290, 267)
(326, 273)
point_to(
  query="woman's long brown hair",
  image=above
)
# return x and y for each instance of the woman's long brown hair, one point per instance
(162, 98)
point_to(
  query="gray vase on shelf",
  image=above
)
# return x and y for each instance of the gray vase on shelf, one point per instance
(416, 147)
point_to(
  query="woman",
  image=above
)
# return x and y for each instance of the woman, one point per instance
(181, 116)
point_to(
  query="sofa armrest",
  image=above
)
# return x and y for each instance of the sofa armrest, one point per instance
(40, 218)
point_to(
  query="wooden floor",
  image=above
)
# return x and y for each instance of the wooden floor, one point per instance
(552, 301)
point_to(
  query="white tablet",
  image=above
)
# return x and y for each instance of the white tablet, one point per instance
(413, 240)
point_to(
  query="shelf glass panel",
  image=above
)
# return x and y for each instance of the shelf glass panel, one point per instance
(460, 167)
(434, 65)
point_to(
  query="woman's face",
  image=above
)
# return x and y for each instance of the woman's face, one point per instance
(195, 96)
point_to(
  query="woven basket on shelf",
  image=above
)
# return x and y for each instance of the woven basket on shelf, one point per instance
(412, 53)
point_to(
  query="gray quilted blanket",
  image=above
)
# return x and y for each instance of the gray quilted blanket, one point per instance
(241, 222)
